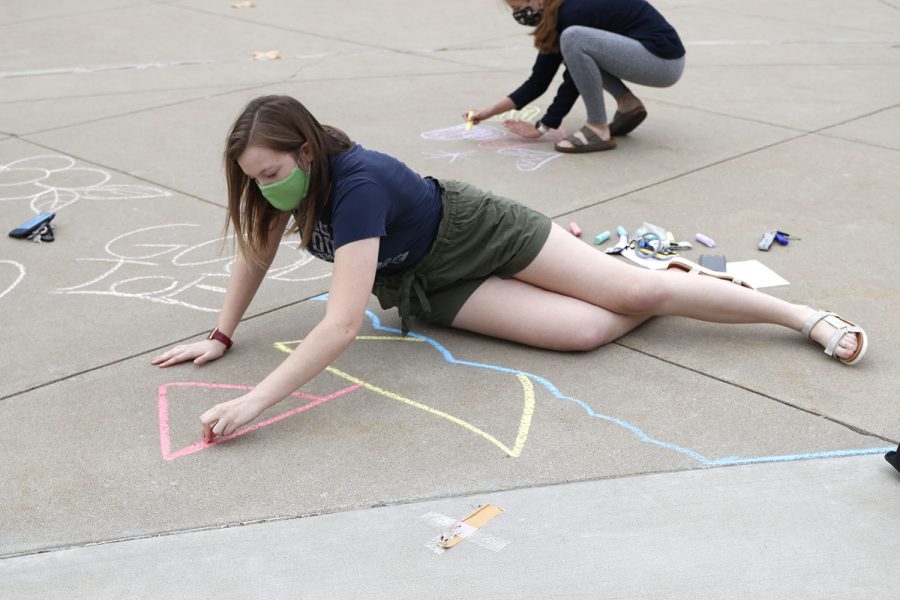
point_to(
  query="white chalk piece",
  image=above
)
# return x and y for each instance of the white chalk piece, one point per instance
(267, 55)
(708, 242)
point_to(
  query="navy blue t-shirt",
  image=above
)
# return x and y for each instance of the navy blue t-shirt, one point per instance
(376, 195)
(635, 19)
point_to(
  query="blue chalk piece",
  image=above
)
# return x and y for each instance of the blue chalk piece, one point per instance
(621, 230)
(603, 237)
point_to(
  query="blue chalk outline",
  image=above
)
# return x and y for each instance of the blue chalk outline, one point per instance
(728, 460)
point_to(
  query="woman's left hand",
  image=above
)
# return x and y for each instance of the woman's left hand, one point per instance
(225, 418)
(522, 129)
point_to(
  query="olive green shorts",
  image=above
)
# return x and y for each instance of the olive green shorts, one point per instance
(479, 235)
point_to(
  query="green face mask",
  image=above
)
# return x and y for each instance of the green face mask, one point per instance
(288, 193)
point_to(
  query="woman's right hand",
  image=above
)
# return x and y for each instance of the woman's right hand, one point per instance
(200, 352)
(477, 115)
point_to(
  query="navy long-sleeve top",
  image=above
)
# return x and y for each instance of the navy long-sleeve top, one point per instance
(635, 19)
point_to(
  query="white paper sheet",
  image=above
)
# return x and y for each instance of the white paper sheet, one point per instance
(755, 273)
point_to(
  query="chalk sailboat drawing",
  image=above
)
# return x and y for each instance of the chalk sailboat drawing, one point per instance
(524, 407)
(348, 383)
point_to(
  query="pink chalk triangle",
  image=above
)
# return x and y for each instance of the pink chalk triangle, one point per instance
(163, 401)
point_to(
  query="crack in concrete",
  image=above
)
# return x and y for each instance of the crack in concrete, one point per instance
(762, 394)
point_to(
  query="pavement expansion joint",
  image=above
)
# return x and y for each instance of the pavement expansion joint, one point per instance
(680, 175)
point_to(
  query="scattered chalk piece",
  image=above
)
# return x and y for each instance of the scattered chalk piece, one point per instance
(575, 229)
(267, 55)
(602, 237)
(708, 242)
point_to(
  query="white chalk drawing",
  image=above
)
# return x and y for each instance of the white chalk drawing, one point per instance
(453, 156)
(461, 132)
(529, 157)
(137, 257)
(51, 182)
(19, 275)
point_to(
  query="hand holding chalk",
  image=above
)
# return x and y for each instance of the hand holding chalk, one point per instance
(474, 117)
(225, 418)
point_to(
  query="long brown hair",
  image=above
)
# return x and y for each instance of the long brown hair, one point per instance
(282, 124)
(546, 37)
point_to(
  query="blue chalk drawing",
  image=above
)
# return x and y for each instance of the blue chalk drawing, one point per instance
(638, 433)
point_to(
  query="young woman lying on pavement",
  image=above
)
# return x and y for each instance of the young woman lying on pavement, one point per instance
(602, 43)
(441, 251)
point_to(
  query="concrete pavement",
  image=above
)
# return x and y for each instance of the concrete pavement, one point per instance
(685, 460)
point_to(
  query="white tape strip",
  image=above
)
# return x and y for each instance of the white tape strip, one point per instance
(463, 530)
(476, 536)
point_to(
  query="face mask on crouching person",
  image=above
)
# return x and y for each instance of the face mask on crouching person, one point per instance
(528, 16)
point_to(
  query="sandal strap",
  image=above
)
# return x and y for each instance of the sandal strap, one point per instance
(812, 320)
(697, 269)
(589, 135)
(841, 328)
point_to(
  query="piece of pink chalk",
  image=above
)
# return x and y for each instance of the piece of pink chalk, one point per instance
(575, 229)
(708, 242)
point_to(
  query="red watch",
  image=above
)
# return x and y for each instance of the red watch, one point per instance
(217, 335)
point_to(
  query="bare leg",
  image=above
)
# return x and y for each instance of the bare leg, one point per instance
(571, 268)
(514, 310)
(628, 102)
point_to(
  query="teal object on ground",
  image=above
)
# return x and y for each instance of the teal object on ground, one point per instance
(603, 237)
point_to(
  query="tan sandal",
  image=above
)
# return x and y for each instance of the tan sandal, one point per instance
(842, 327)
(594, 142)
(687, 266)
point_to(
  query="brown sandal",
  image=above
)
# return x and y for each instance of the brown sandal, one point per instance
(683, 264)
(594, 142)
(625, 123)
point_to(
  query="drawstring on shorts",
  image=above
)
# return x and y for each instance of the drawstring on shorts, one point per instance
(409, 283)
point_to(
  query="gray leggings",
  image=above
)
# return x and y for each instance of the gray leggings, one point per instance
(598, 60)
